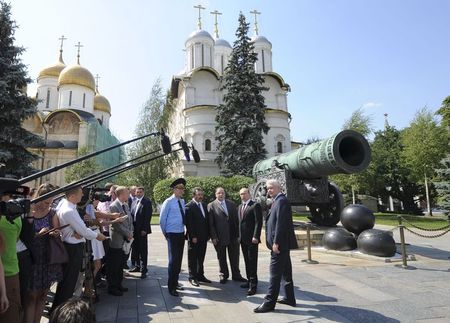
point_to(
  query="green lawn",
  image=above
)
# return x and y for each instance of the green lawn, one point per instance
(380, 218)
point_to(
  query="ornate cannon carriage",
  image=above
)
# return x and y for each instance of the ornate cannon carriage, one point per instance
(303, 174)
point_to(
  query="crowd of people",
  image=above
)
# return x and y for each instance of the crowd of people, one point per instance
(83, 249)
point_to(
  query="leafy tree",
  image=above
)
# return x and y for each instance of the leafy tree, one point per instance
(241, 119)
(15, 105)
(153, 116)
(359, 122)
(442, 183)
(81, 169)
(425, 144)
(387, 174)
(444, 112)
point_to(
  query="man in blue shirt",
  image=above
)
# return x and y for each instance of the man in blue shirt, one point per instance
(171, 221)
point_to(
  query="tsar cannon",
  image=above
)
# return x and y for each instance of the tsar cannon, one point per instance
(303, 174)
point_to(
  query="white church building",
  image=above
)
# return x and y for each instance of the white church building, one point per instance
(196, 95)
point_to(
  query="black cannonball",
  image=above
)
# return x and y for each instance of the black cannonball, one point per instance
(376, 243)
(356, 218)
(338, 239)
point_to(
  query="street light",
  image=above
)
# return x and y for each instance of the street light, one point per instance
(43, 150)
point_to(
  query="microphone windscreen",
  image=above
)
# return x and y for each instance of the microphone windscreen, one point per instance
(195, 155)
(8, 185)
(165, 144)
(185, 148)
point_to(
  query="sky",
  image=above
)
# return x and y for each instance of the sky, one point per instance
(382, 56)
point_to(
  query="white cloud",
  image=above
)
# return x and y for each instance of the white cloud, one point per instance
(370, 105)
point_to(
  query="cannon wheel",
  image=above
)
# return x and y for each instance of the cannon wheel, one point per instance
(259, 192)
(328, 214)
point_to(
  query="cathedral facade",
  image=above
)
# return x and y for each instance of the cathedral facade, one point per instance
(196, 96)
(72, 115)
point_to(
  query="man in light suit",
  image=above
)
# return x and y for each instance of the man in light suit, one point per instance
(280, 239)
(250, 224)
(141, 212)
(121, 233)
(198, 235)
(224, 232)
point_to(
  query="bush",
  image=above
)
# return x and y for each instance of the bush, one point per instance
(232, 185)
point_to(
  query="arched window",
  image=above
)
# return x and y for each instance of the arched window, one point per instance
(279, 147)
(47, 103)
(70, 98)
(84, 100)
(208, 145)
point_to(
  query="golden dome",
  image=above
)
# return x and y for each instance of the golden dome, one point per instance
(101, 103)
(53, 70)
(77, 74)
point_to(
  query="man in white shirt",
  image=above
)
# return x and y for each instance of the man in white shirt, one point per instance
(74, 237)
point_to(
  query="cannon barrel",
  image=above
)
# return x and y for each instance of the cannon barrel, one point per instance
(346, 152)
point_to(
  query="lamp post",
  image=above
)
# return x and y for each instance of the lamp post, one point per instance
(427, 193)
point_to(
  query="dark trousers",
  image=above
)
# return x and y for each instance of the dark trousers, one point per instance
(196, 257)
(114, 268)
(280, 267)
(233, 256)
(175, 244)
(139, 251)
(66, 287)
(250, 253)
(25, 262)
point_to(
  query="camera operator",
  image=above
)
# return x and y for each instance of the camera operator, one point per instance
(74, 238)
(10, 232)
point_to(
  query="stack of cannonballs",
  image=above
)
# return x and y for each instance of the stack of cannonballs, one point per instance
(358, 232)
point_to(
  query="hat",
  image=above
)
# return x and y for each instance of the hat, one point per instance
(178, 183)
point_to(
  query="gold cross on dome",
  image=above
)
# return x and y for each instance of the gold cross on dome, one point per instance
(78, 55)
(200, 8)
(256, 13)
(216, 29)
(62, 39)
(97, 77)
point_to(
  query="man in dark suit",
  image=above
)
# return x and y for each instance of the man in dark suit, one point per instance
(280, 239)
(198, 235)
(224, 232)
(250, 224)
(141, 211)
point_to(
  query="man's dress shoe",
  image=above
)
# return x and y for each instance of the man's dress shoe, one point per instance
(285, 301)
(264, 308)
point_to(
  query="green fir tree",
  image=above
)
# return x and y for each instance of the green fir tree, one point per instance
(241, 119)
(15, 105)
(442, 183)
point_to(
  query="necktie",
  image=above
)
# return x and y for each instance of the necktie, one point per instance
(243, 209)
(182, 212)
(224, 207)
(201, 208)
(124, 209)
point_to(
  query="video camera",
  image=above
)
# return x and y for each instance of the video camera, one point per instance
(18, 205)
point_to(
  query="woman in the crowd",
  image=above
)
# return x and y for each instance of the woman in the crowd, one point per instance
(43, 274)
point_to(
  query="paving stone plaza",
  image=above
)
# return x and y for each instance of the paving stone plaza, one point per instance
(338, 289)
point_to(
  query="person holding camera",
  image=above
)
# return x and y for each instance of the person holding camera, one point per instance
(74, 237)
(121, 235)
(10, 229)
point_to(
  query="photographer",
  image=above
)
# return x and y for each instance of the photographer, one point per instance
(42, 273)
(10, 232)
(74, 238)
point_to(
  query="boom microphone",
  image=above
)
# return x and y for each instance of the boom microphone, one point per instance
(195, 154)
(185, 148)
(165, 143)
